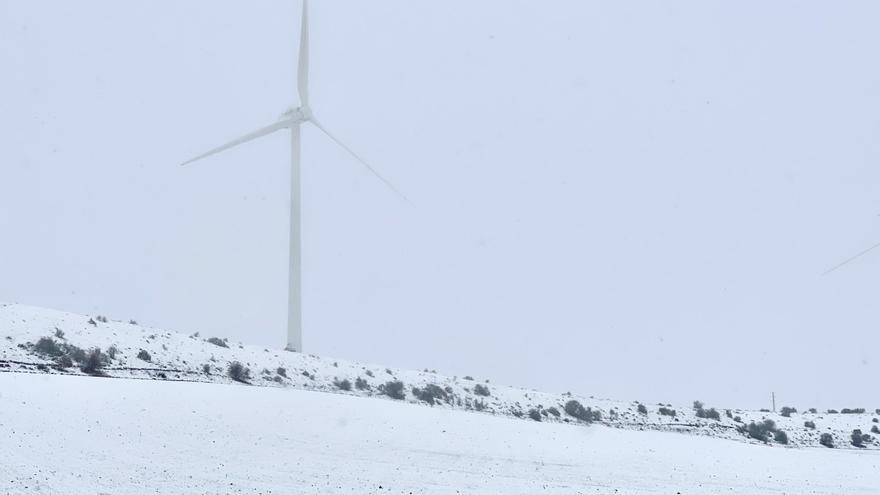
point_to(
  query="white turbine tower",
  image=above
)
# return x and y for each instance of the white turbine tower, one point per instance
(292, 120)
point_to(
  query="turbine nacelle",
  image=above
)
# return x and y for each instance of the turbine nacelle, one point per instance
(299, 114)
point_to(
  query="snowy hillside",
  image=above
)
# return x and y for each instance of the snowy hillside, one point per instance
(78, 435)
(167, 356)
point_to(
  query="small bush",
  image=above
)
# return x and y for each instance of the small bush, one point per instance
(482, 390)
(553, 411)
(761, 431)
(875, 430)
(728, 413)
(218, 342)
(574, 409)
(827, 440)
(393, 389)
(144, 356)
(59, 333)
(64, 362)
(642, 409)
(788, 411)
(809, 424)
(858, 410)
(361, 384)
(342, 385)
(516, 412)
(111, 352)
(709, 414)
(238, 372)
(780, 437)
(697, 405)
(665, 411)
(857, 439)
(479, 405)
(832, 411)
(535, 414)
(737, 419)
(206, 368)
(369, 373)
(281, 372)
(47, 347)
(430, 393)
(132, 322)
(78, 355)
(94, 362)
(813, 410)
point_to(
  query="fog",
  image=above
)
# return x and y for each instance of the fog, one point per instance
(631, 200)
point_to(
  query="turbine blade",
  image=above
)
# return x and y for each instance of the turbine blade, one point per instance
(851, 259)
(303, 73)
(243, 139)
(358, 158)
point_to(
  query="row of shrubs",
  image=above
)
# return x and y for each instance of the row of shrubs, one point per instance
(788, 411)
(764, 431)
(66, 354)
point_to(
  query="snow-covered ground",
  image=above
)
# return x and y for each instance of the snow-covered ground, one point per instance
(180, 357)
(72, 434)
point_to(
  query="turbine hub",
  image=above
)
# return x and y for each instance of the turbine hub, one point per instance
(300, 114)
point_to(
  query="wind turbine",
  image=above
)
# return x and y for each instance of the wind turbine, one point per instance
(292, 120)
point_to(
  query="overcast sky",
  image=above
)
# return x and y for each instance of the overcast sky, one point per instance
(633, 200)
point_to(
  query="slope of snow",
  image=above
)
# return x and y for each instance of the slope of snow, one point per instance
(179, 357)
(72, 435)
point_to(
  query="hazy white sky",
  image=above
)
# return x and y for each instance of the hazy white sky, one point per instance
(623, 199)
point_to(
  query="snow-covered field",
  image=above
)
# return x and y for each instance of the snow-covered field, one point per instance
(176, 423)
(179, 357)
(74, 434)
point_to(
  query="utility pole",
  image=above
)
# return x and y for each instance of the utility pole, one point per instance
(773, 397)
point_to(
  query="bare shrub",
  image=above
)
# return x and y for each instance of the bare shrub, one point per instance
(430, 393)
(144, 356)
(665, 411)
(47, 347)
(94, 362)
(342, 385)
(218, 342)
(574, 409)
(482, 390)
(393, 389)
(238, 372)
(827, 440)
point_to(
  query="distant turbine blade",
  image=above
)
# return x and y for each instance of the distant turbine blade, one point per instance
(358, 158)
(247, 137)
(852, 258)
(303, 73)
